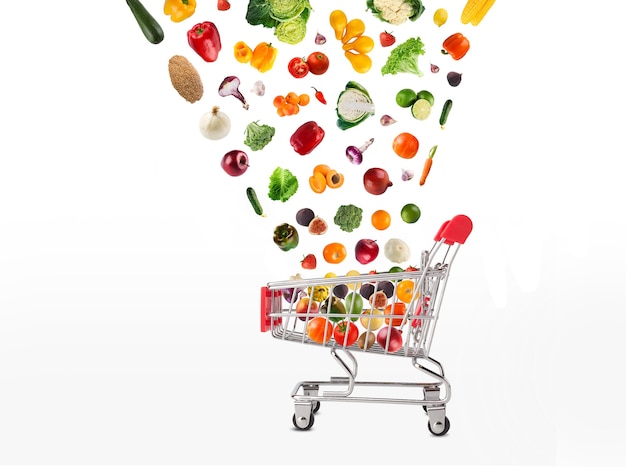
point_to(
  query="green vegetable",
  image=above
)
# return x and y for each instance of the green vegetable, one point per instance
(285, 10)
(286, 237)
(287, 17)
(445, 111)
(348, 217)
(258, 136)
(354, 105)
(283, 185)
(149, 26)
(396, 11)
(403, 58)
(292, 31)
(254, 201)
(259, 13)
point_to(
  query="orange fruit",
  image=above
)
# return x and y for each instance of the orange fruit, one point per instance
(381, 219)
(404, 290)
(304, 99)
(334, 253)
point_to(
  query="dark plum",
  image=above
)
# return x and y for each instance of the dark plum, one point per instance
(454, 78)
(304, 216)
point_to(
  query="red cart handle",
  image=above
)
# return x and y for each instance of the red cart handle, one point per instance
(456, 230)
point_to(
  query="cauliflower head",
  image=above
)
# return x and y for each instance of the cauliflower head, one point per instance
(394, 11)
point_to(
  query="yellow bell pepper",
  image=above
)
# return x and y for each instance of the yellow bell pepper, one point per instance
(179, 10)
(263, 56)
(243, 53)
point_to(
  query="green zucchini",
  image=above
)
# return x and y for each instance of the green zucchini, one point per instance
(254, 201)
(445, 111)
(149, 26)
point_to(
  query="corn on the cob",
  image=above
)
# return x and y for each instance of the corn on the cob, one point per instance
(475, 10)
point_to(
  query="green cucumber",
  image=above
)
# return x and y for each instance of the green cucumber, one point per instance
(254, 201)
(445, 111)
(149, 26)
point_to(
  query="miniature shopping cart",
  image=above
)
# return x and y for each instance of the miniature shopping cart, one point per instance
(393, 314)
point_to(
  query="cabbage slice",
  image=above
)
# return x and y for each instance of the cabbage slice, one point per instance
(354, 105)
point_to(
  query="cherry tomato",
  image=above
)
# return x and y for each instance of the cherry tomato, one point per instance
(319, 330)
(318, 63)
(298, 67)
(346, 333)
(405, 145)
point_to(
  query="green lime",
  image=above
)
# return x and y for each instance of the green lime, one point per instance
(426, 95)
(406, 97)
(396, 269)
(421, 109)
(410, 213)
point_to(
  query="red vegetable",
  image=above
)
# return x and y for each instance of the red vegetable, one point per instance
(319, 96)
(306, 137)
(318, 63)
(298, 67)
(456, 46)
(223, 5)
(346, 333)
(204, 39)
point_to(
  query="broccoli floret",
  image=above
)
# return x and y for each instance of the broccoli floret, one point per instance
(403, 58)
(348, 217)
(258, 136)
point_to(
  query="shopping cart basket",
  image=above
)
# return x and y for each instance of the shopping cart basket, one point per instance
(390, 314)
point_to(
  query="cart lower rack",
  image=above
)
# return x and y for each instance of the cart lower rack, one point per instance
(390, 314)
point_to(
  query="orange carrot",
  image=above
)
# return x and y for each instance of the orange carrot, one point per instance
(428, 164)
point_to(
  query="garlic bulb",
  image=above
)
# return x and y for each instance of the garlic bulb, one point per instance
(215, 124)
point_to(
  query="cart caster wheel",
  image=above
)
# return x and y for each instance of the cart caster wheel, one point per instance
(446, 427)
(302, 423)
(316, 406)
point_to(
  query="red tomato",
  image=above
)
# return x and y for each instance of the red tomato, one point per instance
(405, 145)
(318, 63)
(298, 67)
(319, 330)
(346, 333)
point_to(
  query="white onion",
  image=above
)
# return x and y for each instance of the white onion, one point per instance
(215, 124)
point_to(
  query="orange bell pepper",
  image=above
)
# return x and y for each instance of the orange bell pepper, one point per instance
(263, 56)
(179, 10)
(243, 53)
(456, 46)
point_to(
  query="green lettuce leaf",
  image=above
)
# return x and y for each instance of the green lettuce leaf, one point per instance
(283, 185)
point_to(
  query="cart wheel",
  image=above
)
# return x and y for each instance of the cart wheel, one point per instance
(304, 424)
(446, 427)
(316, 406)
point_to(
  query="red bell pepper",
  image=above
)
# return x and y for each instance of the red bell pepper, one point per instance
(307, 137)
(204, 39)
(456, 46)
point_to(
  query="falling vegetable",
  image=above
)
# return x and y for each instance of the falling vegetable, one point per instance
(258, 135)
(445, 111)
(230, 87)
(263, 56)
(243, 52)
(215, 125)
(386, 120)
(338, 22)
(179, 10)
(434, 68)
(320, 39)
(258, 88)
(475, 10)
(407, 174)
(149, 26)
(456, 45)
(319, 96)
(355, 155)
(204, 39)
(428, 164)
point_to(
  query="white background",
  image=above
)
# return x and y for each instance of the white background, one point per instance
(130, 264)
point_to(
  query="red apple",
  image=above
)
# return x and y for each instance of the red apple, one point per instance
(366, 250)
(235, 162)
